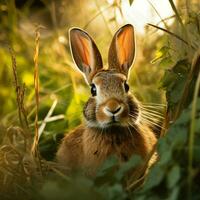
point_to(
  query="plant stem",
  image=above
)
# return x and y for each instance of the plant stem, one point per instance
(176, 12)
(192, 135)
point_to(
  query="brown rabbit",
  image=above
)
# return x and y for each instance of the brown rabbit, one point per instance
(112, 115)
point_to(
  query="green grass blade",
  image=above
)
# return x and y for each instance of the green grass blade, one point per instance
(176, 12)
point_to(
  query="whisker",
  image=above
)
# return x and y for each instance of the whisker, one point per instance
(153, 107)
(133, 117)
(140, 126)
(152, 123)
(153, 119)
(159, 104)
(152, 115)
(129, 131)
(150, 118)
(151, 110)
(132, 125)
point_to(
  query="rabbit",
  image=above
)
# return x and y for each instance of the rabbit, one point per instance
(112, 114)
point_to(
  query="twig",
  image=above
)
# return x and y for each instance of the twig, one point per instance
(42, 127)
(50, 119)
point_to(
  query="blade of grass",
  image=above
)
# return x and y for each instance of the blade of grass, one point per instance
(176, 13)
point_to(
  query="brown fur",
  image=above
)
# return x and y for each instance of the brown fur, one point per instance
(87, 148)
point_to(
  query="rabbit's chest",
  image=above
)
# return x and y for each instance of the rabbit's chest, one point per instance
(97, 150)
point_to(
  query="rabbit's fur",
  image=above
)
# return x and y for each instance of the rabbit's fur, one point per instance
(112, 115)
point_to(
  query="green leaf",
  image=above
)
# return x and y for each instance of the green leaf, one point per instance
(161, 53)
(181, 67)
(106, 173)
(125, 167)
(154, 178)
(166, 62)
(174, 194)
(176, 91)
(168, 80)
(173, 176)
(177, 136)
(165, 157)
(116, 192)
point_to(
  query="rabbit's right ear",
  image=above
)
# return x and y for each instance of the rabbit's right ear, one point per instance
(122, 49)
(85, 53)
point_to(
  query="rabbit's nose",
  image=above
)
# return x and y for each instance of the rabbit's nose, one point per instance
(114, 111)
(113, 108)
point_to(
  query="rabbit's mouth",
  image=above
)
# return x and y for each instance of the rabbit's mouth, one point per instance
(114, 122)
(128, 120)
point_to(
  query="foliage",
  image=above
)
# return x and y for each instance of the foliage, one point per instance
(62, 94)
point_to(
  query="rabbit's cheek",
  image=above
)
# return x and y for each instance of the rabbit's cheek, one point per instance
(89, 110)
(101, 116)
(124, 115)
(133, 107)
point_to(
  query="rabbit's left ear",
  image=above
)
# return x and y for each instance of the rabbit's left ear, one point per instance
(122, 49)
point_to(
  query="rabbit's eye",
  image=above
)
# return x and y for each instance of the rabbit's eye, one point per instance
(126, 87)
(93, 90)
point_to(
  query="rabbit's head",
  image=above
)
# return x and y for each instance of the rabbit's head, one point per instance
(111, 103)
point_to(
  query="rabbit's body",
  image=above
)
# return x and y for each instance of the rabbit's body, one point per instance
(113, 125)
(87, 148)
